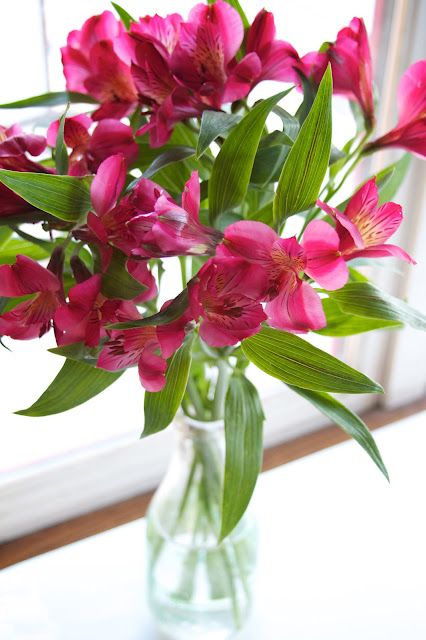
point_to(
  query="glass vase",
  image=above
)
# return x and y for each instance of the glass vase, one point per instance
(197, 588)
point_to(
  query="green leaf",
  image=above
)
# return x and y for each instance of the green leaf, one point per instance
(343, 324)
(293, 360)
(213, 125)
(291, 125)
(346, 420)
(233, 166)
(75, 383)
(172, 155)
(309, 93)
(366, 300)
(392, 185)
(268, 163)
(117, 281)
(61, 153)
(243, 436)
(307, 162)
(78, 351)
(51, 99)
(124, 16)
(160, 407)
(15, 246)
(336, 155)
(64, 197)
(171, 313)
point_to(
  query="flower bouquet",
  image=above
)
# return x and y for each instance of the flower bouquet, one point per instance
(166, 162)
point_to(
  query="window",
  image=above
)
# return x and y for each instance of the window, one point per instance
(60, 466)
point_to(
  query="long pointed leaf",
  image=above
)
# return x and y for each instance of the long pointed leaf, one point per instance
(295, 361)
(243, 434)
(75, 383)
(347, 324)
(64, 197)
(174, 311)
(51, 99)
(160, 407)
(233, 166)
(307, 162)
(346, 420)
(213, 125)
(366, 300)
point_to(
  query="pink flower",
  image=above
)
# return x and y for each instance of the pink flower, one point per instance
(350, 60)
(293, 305)
(147, 222)
(83, 318)
(14, 147)
(149, 46)
(410, 131)
(170, 230)
(207, 44)
(362, 230)
(32, 318)
(89, 150)
(277, 57)
(146, 347)
(324, 262)
(222, 295)
(92, 65)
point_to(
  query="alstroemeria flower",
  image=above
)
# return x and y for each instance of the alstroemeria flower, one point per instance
(14, 147)
(410, 131)
(109, 137)
(33, 317)
(208, 43)
(277, 57)
(146, 347)
(92, 65)
(363, 228)
(83, 318)
(170, 230)
(147, 222)
(350, 60)
(224, 295)
(293, 305)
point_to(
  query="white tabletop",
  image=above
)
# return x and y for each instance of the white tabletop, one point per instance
(342, 557)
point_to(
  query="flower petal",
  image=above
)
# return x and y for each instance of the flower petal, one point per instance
(108, 183)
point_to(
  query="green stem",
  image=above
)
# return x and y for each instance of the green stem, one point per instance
(182, 262)
(195, 398)
(221, 389)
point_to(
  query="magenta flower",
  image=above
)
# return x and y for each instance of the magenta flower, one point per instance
(83, 318)
(208, 43)
(146, 347)
(32, 318)
(277, 57)
(224, 294)
(410, 131)
(150, 45)
(15, 145)
(292, 304)
(170, 230)
(362, 229)
(109, 137)
(94, 64)
(350, 60)
(147, 222)
(324, 261)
